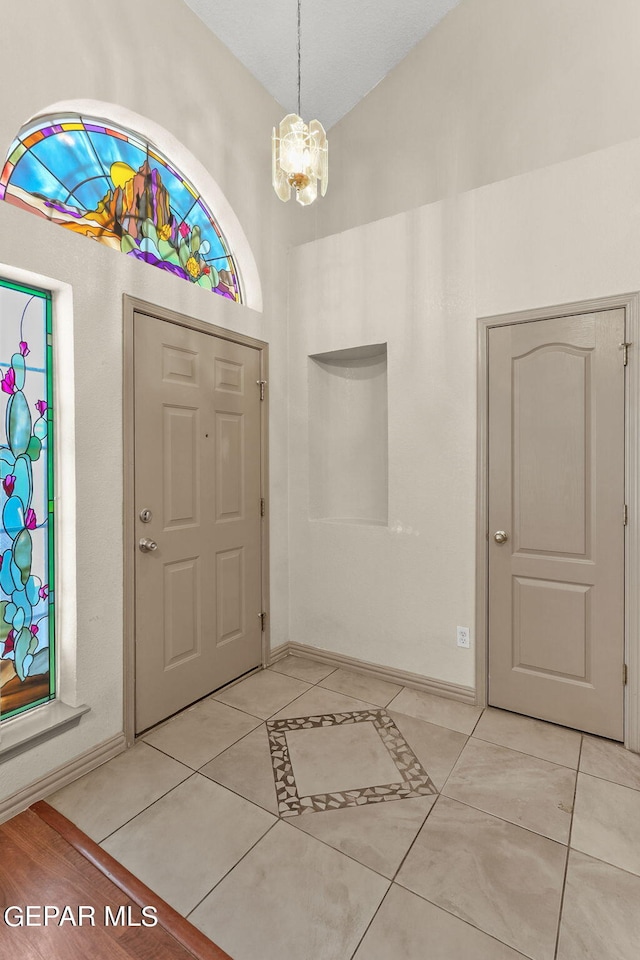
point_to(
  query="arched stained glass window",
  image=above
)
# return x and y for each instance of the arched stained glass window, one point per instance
(108, 183)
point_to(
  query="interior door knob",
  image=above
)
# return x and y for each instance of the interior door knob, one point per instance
(146, 545)
(500, 536)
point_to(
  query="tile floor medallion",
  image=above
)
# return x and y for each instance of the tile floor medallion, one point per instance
(377, 783)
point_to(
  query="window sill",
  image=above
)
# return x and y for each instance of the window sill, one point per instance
(30, 730)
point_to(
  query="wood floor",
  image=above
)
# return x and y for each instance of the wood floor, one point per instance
(53, 864)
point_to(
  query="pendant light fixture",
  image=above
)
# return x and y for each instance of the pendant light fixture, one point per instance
(300, 153)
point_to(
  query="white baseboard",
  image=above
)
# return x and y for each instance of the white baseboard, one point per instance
(441, 688)
(61, 776)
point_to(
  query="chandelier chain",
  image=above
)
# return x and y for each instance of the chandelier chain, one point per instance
(299, 60)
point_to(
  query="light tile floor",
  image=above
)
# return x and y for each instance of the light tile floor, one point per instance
(418, 827)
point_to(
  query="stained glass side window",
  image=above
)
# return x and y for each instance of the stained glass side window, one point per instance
(102, 181)
(27, 655)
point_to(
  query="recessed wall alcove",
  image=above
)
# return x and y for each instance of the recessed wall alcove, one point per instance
(348, 444)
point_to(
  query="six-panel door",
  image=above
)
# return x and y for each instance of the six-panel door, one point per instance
(197, 470)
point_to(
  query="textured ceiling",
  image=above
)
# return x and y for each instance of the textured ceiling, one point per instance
(347, 45)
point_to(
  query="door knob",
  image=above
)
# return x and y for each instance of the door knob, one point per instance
(146, 545)
(500, 536)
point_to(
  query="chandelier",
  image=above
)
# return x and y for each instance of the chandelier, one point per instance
(299, 154)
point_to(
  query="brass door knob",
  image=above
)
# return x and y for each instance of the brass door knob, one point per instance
(500, 536)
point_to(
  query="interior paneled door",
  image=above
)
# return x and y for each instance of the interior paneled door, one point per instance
(197, 473)
(556, 520)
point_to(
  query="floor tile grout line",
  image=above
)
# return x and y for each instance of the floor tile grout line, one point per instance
(434, 723)
(616, 783)
(290, 821)
(231, 789)
(380, 706)
(368, 703)
(383, 706)
(525, 753)
(466, 803)
(240, 796)
(170, 756)
(210, 760)
(232, 745)
(457, 916)
(495, 816)
(411, 845)
(480, 716)
(192, 773)
(388, 706)
(230, 870)
(314, 683)
(375, 914)
(367, 707)
(606, 863)
(566, 863)
(191, 706)
(239, 709)
(455, 764)
(223, 786)
(283, 707)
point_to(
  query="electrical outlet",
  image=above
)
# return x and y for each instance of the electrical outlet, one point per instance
(463, 636)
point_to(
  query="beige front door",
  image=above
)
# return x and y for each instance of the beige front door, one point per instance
(197, 472)
(556, 490)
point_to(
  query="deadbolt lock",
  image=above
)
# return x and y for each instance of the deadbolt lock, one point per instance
(145, 516)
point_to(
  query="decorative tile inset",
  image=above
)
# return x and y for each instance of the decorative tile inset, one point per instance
(413, 779)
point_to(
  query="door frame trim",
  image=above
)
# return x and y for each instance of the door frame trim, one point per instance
(631, 304)
(132, 305)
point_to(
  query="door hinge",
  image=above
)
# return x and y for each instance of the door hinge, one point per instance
(262, 384)
(625, 352)
(624, 674)
(625, 515)
(262, 507)
(263, 617)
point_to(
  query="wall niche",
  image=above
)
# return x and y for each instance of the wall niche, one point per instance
(348, 435)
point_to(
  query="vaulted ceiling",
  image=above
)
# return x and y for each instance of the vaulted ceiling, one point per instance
(347, 46)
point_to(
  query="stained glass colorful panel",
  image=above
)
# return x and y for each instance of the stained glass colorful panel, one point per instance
(112, 185)
(27, 651)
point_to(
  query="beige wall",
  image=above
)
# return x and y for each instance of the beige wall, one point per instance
(499, 87)
(155, 58)
(391, 594)
(394, 595)
(474, 179)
